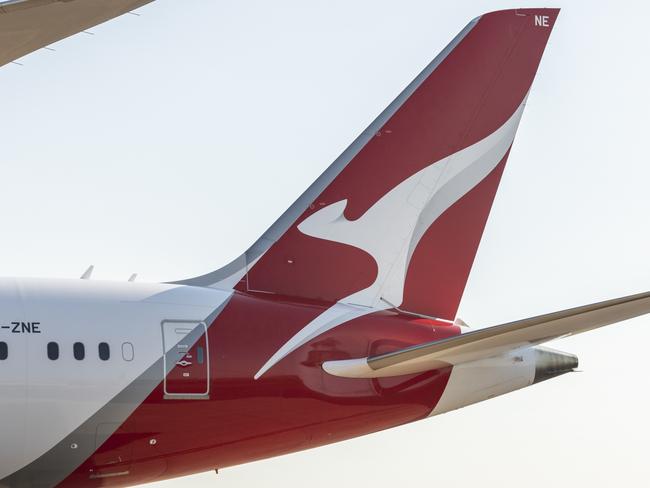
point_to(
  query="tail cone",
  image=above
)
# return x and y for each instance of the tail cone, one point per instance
(550, 363)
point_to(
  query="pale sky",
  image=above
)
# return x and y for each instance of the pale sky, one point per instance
(166, 143)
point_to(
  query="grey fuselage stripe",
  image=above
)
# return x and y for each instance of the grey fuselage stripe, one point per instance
(290, 216)
(59, 462)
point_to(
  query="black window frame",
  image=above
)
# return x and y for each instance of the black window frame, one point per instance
(4, 350)
(79, 351)
(53, 351)
(104, 351)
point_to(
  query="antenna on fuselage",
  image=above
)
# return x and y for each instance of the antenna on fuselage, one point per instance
(88, 272)
(133, 277)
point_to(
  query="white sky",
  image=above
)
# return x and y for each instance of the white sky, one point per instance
(166, 143)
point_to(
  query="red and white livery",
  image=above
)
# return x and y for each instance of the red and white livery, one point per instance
(339, 321)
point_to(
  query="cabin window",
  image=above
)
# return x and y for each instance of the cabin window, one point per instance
(104, 351)
(52, 351)
(127, 351)
(4, 351)
(79, 351)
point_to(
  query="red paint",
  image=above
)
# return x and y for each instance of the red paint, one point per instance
(190, 376)
(475, 89)
(438, 271)
(295, 406)
(319, 269)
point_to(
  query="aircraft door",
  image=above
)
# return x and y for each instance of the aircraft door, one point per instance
(186, 362)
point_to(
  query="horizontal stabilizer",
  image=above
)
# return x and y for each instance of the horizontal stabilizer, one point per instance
(28, 25)
(492, 341)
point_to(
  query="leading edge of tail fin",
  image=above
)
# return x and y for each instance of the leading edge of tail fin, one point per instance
(397, 219)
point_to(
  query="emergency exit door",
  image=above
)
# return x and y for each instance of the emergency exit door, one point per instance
(186, 361)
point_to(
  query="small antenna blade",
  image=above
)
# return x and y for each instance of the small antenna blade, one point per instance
(88, 272)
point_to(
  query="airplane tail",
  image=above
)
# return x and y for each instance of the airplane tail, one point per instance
(396, 220)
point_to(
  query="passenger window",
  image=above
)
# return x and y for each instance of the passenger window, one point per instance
(4, 351)
(53, 351)
(79, 351)
(104, 351)
(127, 351)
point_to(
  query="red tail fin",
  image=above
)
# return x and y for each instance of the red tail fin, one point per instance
(397, 219)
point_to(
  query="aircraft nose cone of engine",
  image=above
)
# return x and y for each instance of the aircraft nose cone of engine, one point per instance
(550, 363)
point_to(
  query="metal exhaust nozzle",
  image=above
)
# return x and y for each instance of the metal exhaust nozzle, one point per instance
(550, 363)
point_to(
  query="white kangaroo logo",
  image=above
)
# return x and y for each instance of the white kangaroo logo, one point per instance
(391, 229)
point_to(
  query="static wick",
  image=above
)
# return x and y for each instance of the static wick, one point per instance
(49, 48)
(89, 33)
(133, 13)
(16, 62)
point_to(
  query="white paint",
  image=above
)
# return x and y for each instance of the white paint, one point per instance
(350, 368)
(386, 230)
(480, 380)
(497, 340)
(128, 353)
(47, 400)
(173, 333)
(551, 242)
(407, 210)
(330, 318)
(541, 20)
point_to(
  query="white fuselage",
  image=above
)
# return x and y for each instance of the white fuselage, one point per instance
(47, 399)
